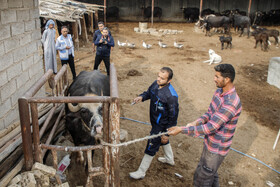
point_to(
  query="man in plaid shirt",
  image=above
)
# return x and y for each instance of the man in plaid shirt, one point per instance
(217, 125)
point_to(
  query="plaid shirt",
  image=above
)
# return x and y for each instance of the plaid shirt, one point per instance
(219, 123)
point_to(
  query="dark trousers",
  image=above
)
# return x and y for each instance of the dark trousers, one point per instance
(70, 61)
(206, 174)
(154, 144)
(106, 59)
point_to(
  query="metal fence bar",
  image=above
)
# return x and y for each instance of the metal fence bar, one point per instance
(71, 148)
(113, 82)
(106, 135)
(35, 131)
(25, 132)
(114, 128)
(71, 99)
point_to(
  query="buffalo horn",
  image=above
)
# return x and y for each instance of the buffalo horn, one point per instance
(73, 108)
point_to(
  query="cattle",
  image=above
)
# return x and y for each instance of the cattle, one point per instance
(148, 12)
(256, 17)
(202, 21)
(262, 38)
(112, 12)
(271, 17)
(206, 12)
(216, 22)
(271, 33)
(241, 22)
(227, 40)
(84, 120)
(191, 14)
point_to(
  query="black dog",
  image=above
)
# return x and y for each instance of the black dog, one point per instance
(227, 40)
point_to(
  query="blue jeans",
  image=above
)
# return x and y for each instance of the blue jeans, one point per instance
(206, 174)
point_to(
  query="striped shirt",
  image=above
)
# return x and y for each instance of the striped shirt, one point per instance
(219, 123)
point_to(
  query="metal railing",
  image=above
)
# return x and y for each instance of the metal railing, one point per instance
(34, 150)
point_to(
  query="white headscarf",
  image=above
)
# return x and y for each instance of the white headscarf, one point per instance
(48, 23)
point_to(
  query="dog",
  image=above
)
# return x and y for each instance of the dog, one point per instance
(227, 40)
(214, 58)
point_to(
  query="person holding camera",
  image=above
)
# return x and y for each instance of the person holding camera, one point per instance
(103, 44)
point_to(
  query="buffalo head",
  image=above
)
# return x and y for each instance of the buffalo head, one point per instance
(90, 115)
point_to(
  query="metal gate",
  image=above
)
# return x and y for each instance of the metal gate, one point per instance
(34, 150)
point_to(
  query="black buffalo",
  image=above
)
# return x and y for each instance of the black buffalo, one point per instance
(191, 14)
(241, 22)
(227, 40)
(84, 120)
(148, 12)
(262, 38)
(271, 32)
(206, 12)
(216, 22)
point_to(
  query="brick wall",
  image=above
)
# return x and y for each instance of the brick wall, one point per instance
(21, 62)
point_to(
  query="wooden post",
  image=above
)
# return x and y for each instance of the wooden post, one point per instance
(84, 29)
(96, 19)
(152, 16)
(91, 23)
(75, 34)
(56, 30)
(200, 7)
(105, 11)
(249, 7)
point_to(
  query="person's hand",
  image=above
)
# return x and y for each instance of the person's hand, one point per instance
(67, 47)
(101, 41)
(164, 139)
(174, 130)
(137, 99)
(194, 123)
(93, 49)
(190, 124)
(105, 42)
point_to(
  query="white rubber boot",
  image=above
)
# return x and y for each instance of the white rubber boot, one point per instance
(168, 155)
(144, 166)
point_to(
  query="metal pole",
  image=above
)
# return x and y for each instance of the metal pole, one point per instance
(105, 11)
(114, 127)
(115, 139)
(106, 154)
(26, 132)
(35, 128)
(152, 16)
(249, 7)
(200, 7)
(277, 138)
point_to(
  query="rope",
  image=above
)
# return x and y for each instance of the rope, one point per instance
(132, 141)
(154, 136)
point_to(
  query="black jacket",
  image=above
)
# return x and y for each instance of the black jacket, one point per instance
(164, 107)
(102, 48)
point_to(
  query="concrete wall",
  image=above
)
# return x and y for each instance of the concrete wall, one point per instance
(273, 77)
(20, 60)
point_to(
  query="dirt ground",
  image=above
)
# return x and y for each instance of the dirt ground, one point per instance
(193, 80)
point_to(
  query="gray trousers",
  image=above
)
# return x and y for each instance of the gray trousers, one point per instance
(206, 174)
